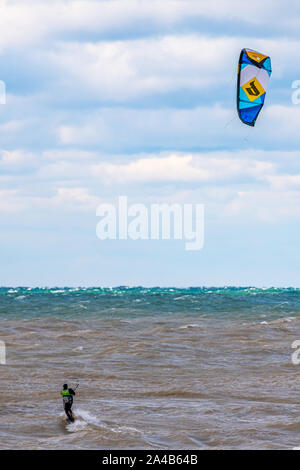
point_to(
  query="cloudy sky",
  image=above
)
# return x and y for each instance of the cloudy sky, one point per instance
(137, 97)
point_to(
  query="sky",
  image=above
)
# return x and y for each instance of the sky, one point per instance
(136, 98)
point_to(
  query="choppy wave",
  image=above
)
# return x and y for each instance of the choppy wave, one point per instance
(126, 302)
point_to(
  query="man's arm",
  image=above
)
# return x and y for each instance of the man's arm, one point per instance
(71, 391)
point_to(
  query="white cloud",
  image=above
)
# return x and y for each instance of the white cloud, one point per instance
(207, 167)
(123, 70)
(118, 71)
(126, 69)
(69, 154)
(119, 129)
(78, 198)
(25, 23)
(64, 199)
(10, 201)
(10, 127)
(239, 184)
(283, 182)
(16, 161)
(266, 205)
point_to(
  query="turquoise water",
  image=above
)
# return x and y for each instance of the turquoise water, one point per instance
(247, 303)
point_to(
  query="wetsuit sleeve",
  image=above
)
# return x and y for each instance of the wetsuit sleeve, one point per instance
(71, 391)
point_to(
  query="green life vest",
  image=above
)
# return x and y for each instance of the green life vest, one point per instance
(66, 396)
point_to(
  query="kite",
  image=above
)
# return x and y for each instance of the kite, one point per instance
(254, 72)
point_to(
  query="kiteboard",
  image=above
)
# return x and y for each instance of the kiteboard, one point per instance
(68, 421)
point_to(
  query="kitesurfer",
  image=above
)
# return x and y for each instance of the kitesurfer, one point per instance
(67, 394)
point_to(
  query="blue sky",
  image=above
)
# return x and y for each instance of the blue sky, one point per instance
(137, 98)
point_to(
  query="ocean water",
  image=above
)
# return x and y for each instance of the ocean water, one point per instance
(159, 368)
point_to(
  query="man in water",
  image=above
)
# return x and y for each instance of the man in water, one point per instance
(67, 394)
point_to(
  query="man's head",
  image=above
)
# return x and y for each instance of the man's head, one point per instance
(65, 386)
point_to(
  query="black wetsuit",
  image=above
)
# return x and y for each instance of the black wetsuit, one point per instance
(68, 402)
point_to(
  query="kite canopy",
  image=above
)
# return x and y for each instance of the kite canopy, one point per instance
(253, 77)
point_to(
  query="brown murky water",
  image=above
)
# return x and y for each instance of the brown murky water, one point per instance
(166, 381)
